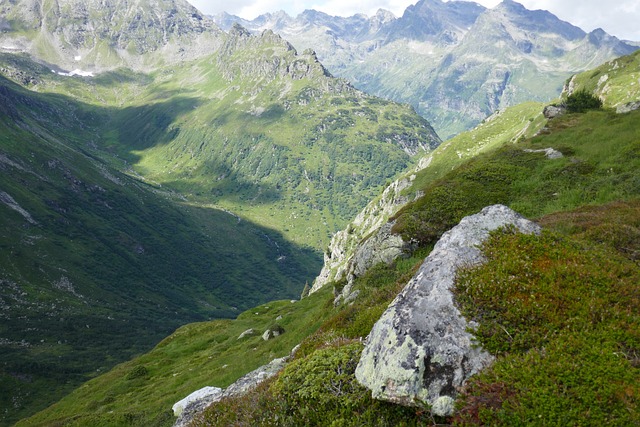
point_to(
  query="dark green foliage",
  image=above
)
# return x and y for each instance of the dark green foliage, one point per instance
(317, 390)
(581, 101)
(139, 371)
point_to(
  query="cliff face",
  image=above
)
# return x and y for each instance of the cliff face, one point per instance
(103, 34)
(368, 240)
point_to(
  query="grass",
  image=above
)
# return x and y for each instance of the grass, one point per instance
(110, 265)
(143, 390)
(561, 313)
(599, 164)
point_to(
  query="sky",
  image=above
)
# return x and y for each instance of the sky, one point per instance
(620, 18)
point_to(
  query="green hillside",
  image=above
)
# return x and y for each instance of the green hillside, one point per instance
(565, 359)
(137, 201)
(96, 267)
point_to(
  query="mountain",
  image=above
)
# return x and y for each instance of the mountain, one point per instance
(455, 62)
(105, 34)
(98, 266)
(530, 300)
(173, 173)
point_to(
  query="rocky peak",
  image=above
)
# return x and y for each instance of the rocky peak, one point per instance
(429, 19)
(104, 34)
(540, 21)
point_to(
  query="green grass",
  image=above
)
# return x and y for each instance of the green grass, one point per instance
(561, 314)
(109, 266)
(143, 390)
(599, 166)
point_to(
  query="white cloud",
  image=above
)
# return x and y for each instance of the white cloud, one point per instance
(619, 18)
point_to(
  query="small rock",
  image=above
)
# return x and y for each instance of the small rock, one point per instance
(549, 152)
(553, 111)
(246, 333)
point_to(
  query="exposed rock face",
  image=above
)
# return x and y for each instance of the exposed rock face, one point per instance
(628, 107)
(347, 256)
(208, 393)
(419, 352)
(199, 400)
(553, 111)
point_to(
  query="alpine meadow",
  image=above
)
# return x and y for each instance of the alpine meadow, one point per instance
(314, 220)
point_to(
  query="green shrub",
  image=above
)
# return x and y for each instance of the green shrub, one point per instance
(581, 101)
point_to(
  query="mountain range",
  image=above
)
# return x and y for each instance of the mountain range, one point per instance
(157, 170)
(455, 62)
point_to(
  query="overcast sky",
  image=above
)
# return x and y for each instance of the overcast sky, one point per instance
(620, 18)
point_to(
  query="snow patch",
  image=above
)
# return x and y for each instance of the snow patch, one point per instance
(76, 72)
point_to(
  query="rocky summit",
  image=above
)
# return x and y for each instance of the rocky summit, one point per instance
(455, 62)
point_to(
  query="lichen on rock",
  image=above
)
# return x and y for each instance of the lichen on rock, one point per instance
(420, 351)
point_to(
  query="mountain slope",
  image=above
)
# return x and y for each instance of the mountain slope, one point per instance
(455, 62)
(97, 267)
(96, 35)
(588, 198)
(114, 186)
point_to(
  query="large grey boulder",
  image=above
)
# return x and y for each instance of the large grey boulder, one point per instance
(420, 351)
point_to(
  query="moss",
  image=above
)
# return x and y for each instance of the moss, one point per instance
(562, 314)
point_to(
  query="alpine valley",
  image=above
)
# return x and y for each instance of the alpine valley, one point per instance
(196, 204)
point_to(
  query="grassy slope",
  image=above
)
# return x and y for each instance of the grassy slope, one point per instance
(109, 266)
(212, 349)
(304, 163)
(592, 173)
(579, 363)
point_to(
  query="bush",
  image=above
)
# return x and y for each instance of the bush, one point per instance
(581, 101)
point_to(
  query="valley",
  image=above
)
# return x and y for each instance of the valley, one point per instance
(173, 186)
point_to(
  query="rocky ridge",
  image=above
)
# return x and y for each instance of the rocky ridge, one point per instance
(368, 240)
(104, 34)
(455, 62)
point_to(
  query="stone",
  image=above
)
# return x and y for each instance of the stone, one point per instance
(194, 404)
(549, 152)
(553, 111)
(628, 107)
(205, 394)
(246, 333)
(420, 351)
(272, 333)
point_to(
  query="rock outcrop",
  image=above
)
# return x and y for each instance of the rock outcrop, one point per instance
(420, 351)
(628, 107)
(350, 254)
(194, 404)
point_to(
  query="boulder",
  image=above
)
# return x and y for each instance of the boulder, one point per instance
(205, 396)
(420, 351)
(553, 111)
(188, 408)
(246, 333)
(628, 107)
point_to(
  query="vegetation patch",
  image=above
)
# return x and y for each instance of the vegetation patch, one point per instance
(561, 314)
